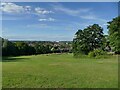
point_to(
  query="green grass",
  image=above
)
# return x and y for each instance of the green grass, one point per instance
(59, 71)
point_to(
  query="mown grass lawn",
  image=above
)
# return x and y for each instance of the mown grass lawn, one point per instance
(59, 71)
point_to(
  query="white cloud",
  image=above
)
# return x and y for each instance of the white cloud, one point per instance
(105, 24)
(28, 8)
(46, 19)
(37, 25)
(43, 19)
(11, 8)
(83, 13)
(92, 17)
(39, 10)
(71, 12)
(3, 4)
(14, 8)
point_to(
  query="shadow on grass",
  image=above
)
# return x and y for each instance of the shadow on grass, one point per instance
(12, 59)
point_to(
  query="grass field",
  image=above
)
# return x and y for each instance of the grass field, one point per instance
(59, 71)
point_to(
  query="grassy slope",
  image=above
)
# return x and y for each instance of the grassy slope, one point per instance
(60, 71)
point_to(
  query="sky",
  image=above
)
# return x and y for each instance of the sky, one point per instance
(53, 21)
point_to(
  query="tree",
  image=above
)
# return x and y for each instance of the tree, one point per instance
(9, 48)
(24, 48)
(88, 39)
(114, 33)
(42, 49)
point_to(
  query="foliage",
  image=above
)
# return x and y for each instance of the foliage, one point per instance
(105, 42)
(114, 33)
(96, 53)
(88, 39)
(41, 49)
(17, 48)
(24, 48)
(9, 48)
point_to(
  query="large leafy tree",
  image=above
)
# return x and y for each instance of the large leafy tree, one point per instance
(88, 39)
(114, 33)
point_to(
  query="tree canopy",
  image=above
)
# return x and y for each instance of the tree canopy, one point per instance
(88, 39)
(16, 48)
(114, 33)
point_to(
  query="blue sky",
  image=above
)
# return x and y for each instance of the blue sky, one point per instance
(53, 21)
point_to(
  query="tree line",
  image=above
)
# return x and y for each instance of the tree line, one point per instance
(17, 48)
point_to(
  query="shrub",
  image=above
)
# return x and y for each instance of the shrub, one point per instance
(96, 53)
(78, 55)
(91, 54)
